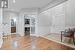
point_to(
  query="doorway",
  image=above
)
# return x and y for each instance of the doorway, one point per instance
(13, 25)
(27, 31)
(29, 25)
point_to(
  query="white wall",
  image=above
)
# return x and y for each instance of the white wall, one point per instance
(7, 21)
(44, 22)
(9, 14)
(21, 19)
(52, 20)
(21, 24)
(70, 13)
(57, 18)
(58, 15)
(64, 16)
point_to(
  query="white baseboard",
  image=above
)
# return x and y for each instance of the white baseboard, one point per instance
(13, 33)
(34, 35)
(72, 46)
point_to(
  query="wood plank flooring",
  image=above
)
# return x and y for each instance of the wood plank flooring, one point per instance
(31, 43)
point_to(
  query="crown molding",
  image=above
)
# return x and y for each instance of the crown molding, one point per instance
(29, 9)
(51, 5)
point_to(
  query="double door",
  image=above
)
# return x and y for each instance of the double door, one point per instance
(29, 25)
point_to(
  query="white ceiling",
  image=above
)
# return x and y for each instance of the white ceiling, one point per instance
(21, 4)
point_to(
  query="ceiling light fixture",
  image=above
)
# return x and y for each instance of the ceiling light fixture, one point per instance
(4, 4)
(14, 1)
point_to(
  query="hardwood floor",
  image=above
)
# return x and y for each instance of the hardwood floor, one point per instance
(31, 43)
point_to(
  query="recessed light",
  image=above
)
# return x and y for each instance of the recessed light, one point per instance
(14, 1)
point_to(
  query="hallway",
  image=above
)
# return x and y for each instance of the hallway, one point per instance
(24, 24)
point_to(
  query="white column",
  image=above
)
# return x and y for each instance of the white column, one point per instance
(1, 41)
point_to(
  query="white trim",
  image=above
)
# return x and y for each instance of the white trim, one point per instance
(1, 42)
(34, 35)
(50, 5)
(13, 33)
(72, 46)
